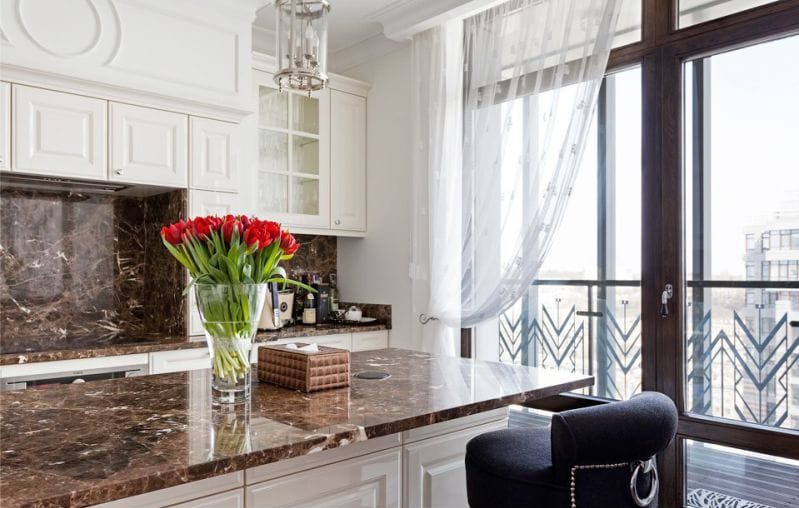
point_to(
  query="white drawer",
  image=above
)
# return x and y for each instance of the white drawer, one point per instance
(180, 360)
(232, 499)
(367, 341)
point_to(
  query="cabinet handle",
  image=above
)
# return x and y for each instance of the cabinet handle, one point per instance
(337, 222)
(119, 171)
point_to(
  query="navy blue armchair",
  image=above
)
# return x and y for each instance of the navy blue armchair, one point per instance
(600, 456)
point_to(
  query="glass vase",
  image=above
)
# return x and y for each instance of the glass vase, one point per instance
(230, 314)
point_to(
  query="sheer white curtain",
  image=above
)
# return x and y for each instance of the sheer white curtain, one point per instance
(503, 102)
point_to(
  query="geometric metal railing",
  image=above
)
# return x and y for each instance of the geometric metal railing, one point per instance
(744, 375)
(733, 370)
(594, 341)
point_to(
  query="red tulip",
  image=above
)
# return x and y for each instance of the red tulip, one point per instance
(174, 232)
(230, 223)
(288, 243)
(201, 227)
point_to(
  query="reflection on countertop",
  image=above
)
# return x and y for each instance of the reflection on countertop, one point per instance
(76, 445)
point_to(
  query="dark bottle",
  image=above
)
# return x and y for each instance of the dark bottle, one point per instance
(299, 300)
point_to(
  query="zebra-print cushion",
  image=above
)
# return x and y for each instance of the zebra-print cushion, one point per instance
(703, 498)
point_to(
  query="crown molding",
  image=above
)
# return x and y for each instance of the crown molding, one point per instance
(368, 49)
(403, 19)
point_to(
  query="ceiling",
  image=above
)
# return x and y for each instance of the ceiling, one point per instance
(349, 26)
(361, 30)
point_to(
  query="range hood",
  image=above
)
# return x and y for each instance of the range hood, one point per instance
(49, 183)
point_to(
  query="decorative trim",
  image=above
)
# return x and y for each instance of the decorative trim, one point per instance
(61, 83)
(635, 467)
(364, 51)
(98, 28)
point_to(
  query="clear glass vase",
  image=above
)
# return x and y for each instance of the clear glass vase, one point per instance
(230, 314)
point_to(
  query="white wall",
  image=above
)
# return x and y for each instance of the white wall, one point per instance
(375, 269)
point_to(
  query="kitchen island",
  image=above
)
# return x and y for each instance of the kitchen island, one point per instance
(157, 440)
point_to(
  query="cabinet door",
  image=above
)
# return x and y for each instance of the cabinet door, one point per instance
(148, 146)
(435, 474)
(59, 133)
(347, 161)
(369, 481)
(214, 155)
(5, 126)
(293, 155)
(209, 203)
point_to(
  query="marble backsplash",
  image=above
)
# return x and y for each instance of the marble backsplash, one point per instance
(317, 254)
(76, 265)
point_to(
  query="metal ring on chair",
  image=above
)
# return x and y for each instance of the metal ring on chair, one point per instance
(647, 467)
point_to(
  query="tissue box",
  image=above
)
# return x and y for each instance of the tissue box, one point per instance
(308, 371)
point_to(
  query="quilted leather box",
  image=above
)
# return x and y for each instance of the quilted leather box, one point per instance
(308, 371)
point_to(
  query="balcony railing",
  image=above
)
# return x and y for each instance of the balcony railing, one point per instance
(738, 364)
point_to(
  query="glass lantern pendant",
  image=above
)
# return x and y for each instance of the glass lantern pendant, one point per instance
(301, 44)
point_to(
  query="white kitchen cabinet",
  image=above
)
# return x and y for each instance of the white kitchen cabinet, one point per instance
(369, 481)
(148, 146)
(5, 126)
(347, 161)
(435, 473)
(58, 134)
(293, 155)
(367, 341)
(180, 360)
(214, 151)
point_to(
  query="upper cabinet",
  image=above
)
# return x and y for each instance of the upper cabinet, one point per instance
(312, 157)
(5, 126)
(182, 55)
(293, 155)
(214, 155)
(58, 133)
(347, 161)
(148, 146)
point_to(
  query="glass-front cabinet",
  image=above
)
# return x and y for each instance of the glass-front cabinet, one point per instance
(293, 155)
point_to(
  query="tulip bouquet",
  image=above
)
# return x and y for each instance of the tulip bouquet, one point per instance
(230, 260)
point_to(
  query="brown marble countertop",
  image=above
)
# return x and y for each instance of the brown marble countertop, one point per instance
(92, 348)
(76, 445)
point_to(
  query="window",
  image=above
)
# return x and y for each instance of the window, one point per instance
(586, 305)
(765, 240)
(738, 346)
(750, 241)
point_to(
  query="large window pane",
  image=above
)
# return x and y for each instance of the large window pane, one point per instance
(722, 476)
(583, 314)
(693, 12)
(742, 268)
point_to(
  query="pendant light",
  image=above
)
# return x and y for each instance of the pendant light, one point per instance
(301, 44)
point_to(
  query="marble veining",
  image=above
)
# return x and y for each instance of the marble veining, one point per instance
(77, 266)
(77, 445)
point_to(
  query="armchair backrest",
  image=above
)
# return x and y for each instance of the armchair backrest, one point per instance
(625, 431)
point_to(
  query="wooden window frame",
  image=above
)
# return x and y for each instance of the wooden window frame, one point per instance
(661, 53)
